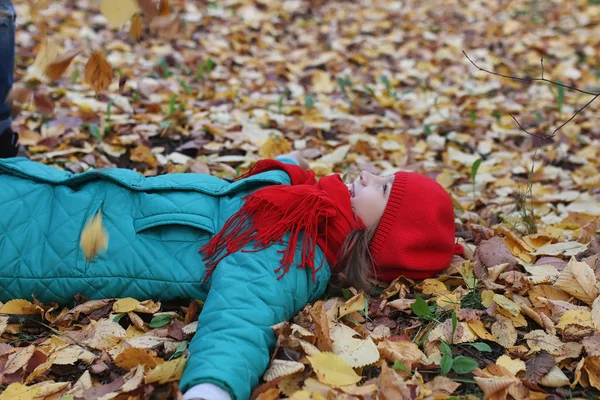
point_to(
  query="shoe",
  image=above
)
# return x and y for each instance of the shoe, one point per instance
(9, 143)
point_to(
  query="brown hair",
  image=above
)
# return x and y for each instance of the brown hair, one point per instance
(355, 262)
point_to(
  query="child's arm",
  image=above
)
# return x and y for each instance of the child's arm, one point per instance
(232, 346)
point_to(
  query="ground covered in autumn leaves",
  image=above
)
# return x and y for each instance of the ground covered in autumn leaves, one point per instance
(210, 87)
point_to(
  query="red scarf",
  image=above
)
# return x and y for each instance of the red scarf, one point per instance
(322, 210)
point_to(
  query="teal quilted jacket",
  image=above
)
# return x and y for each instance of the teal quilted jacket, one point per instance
(155, 226)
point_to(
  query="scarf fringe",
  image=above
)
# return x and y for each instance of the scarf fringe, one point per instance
(261, 221)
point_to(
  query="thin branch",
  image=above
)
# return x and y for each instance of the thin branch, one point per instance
(542, 79)
(528, 79)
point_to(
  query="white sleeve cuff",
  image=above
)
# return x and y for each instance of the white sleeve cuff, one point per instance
(207, 391)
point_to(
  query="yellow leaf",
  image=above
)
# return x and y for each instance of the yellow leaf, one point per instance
(125, 305)
(479, 329)
(18, 306)
(487, 298)
(507, 304)
(448, 301)
(166, 372)
(148, 307)
(356, 303)
(514, 366)
(98, 72)
(433, 286)
(321, 82)
(132, 357)
(332, 370)
(356, 352)
(94, 238)
(48, 52)
(273, 146)
(118, 12)
(306, 395)
(17, 391)
(576, 317)
(48, 388)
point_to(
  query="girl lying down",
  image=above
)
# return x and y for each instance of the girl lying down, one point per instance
(256, 250)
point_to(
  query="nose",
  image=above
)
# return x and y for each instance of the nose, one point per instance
(365, 178)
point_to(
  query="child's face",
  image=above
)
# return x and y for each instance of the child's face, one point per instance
(369, 196)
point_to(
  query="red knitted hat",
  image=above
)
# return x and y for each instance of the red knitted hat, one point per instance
(415, 236)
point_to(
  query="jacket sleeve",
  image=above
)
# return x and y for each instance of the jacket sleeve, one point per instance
(286, 160)
(234, 340)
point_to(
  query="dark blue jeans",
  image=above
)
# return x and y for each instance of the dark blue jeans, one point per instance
(7, 59)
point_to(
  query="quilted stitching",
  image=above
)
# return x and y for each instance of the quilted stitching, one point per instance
(52, 206)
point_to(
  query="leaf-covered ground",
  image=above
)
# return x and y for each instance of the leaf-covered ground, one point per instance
(378, 85)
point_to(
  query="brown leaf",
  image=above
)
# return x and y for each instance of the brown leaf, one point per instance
(136, 28)
(495, 251)
(592, 345)
(163, 8)
(132, 357)
(192, 312)
(319, 317)
(442, 386)
(86, 308)
(166, 26)
(143, 154)
(504, 331)
(537, 367)
(148, 8)
(392, 386)
(97, 392)
(98, 72)
(57, 68)
(43, 103)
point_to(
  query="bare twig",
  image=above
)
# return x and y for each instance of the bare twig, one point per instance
(542, 79)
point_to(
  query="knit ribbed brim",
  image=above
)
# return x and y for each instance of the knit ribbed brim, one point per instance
(390, 213)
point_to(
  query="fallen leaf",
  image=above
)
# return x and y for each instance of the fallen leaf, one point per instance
(578, 279)
(404, 351)
(166, 372)
(332, 370)
(513, 365)
(132, 357)
(125, 305)
(280, 368)
(537, 367)
(504, 332)
(554, 378)
(540, 340)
